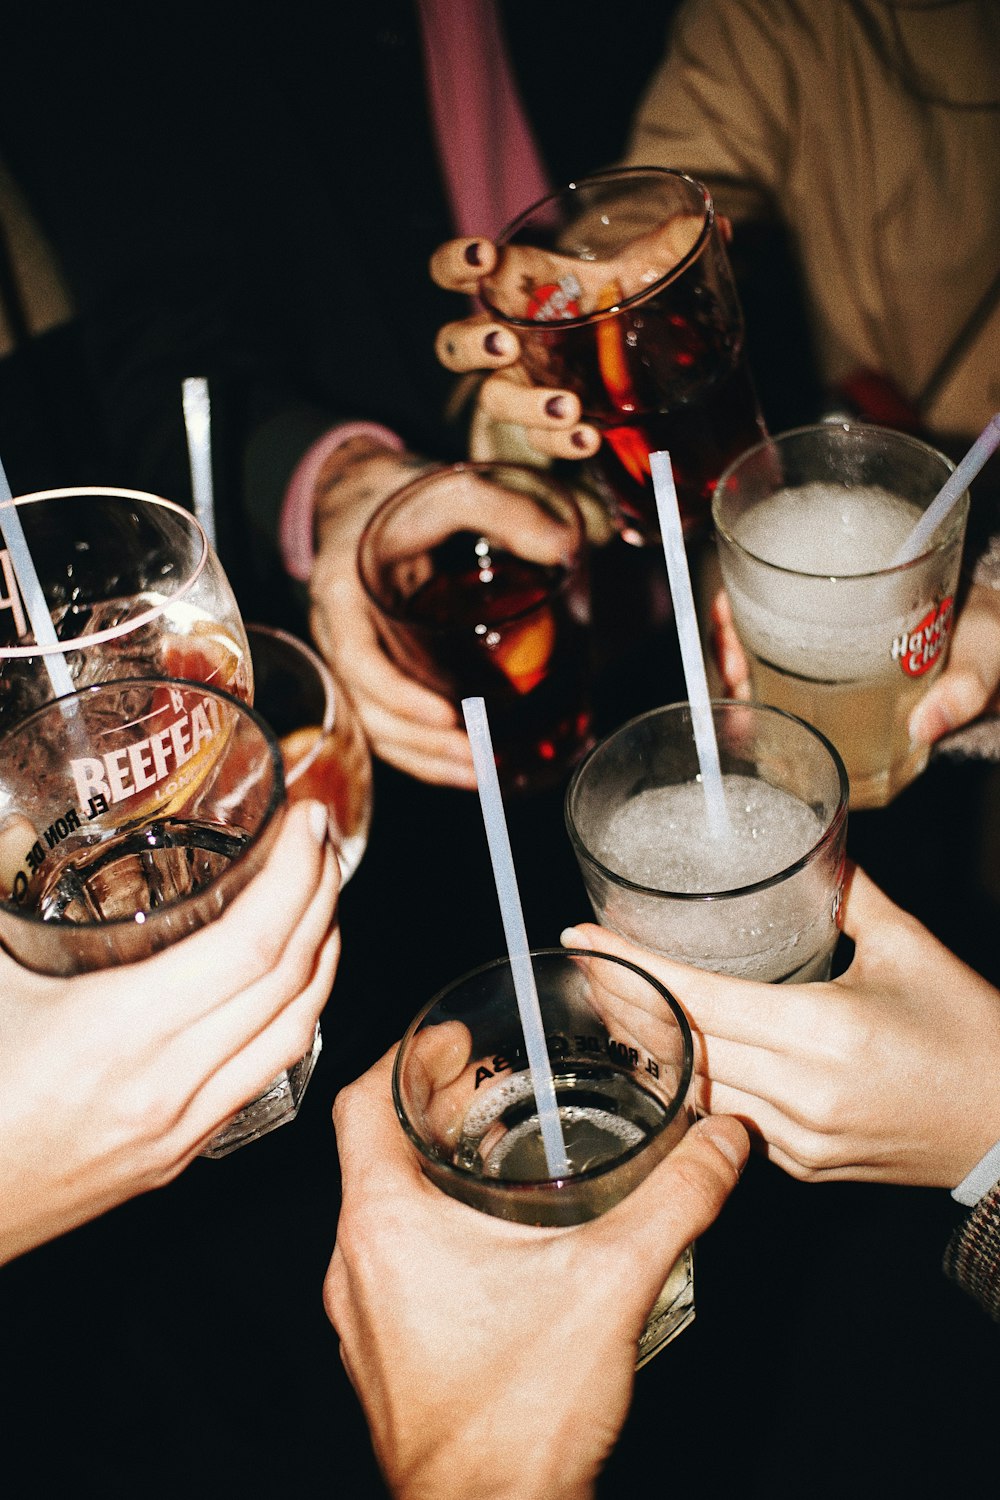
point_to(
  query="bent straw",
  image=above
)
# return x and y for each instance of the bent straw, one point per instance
(956, 484)
(31, 592)
(197, 425)
(522, 973)
(668, 514)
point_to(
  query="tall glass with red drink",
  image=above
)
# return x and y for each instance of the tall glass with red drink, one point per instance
(620, 290)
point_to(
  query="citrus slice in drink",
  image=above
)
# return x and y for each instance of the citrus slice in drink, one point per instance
(525, 649)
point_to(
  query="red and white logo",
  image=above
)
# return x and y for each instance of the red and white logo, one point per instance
(918, 649)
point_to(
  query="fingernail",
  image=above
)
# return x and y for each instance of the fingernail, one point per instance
(572, 937)
(555, 406)
(319, 822)
(473, 254)
(493, 343)
(735, 1157)
(579, 439)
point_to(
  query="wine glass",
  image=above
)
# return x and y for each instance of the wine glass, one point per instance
(133, 589)
(323, 747)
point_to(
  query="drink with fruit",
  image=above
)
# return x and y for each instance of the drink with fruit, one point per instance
(498, 610)
(619, 290)
(323, 748)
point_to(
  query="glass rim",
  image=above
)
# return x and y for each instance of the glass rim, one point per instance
(844, 429)
(115, 632)
(275, 801)
(329, 685)
(611, 175)
(400, 497)
(830, 833)
(590, 1174)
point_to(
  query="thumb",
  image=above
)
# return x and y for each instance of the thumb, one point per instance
(676, 1203)
(958, 696)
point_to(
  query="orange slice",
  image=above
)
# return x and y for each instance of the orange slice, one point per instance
(524, 651)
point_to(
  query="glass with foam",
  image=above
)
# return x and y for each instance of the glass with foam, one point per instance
(807, 525)
(762, 898)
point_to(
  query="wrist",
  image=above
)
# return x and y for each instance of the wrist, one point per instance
(297, 521)
(361, 472)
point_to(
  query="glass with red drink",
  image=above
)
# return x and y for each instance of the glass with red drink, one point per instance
(478, 578)
(323, 748)
(620, 290)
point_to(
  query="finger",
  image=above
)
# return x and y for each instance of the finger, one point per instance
(865, 906)
(741, 1010)
(729, 653)
(958, 697)
(458, 264)
(476, 343)
(509, 399)
(374, 1155)
(17, 835)
(457, 502)
(972, 671)
(226, 1029)
(204, 971)
(251, 1070)
(675, 1204)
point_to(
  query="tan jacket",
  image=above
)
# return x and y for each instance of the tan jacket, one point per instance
(873, 130)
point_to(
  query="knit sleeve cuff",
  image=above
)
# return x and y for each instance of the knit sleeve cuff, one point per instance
(972, 1258)
(295, 529)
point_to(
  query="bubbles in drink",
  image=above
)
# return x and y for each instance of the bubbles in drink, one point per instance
(591, 1137)
(658, 838)
(829, 529)
(603, 1112)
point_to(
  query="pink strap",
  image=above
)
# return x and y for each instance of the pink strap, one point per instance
(295, 531)
(488, 156)
(492, 171)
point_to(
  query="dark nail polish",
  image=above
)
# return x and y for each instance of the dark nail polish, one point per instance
(473, 254)
(493, 343)
(555, 406)
(579, 440)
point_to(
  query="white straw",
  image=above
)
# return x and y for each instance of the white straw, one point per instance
(198, 426)
(956, 484)
(522, 973)
(668, 513)
(31, 592)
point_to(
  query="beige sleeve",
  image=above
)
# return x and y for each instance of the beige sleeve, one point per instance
(723, 104)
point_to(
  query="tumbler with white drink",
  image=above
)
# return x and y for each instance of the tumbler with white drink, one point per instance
(757, 896)
(808, 524)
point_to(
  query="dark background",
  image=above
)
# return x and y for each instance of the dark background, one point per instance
(179, 1346)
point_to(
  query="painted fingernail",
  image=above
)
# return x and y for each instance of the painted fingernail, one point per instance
(473, 253)
(579, 439)
(555, 406)
(493, 343)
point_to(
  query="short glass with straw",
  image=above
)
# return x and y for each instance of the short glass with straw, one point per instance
(713, 832)
(545, 1086)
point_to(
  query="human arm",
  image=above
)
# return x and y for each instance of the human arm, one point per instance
(407, 724)
(494, 1358)
(111, 1082)
(890, 1073)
